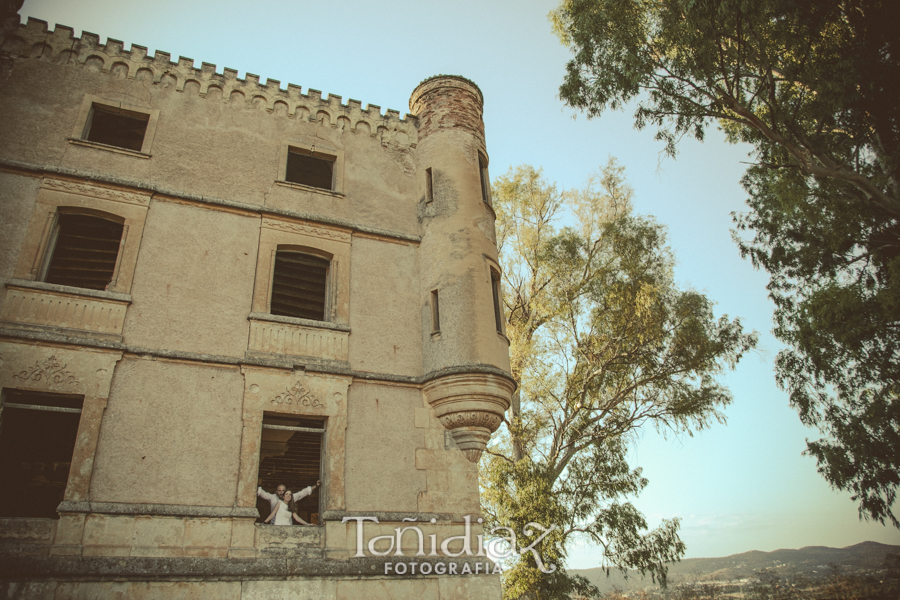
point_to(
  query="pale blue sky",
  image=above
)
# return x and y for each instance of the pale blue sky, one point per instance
(740, 487)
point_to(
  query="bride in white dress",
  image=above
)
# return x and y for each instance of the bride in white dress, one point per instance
(285, 509)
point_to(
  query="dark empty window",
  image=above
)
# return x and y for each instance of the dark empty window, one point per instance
(84, 251)
(37, 439)
(429, 185)
(299, 285)
(435, 312)
(485, 180)
(495, 290)
(117, 127)
(291, 455)
(309, 169)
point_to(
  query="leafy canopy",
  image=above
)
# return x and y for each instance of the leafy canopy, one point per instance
(602, 344)
(814, 86)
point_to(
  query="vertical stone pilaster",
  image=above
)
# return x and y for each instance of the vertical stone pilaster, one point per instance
(79, 483)
(248, 475)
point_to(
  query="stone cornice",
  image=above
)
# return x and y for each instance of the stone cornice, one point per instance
(310, 365)
(212, 201)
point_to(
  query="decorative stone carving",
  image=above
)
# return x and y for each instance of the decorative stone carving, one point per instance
(55, 309)
(96, 191)
(471, 407)
(298, 340)
(299, 395)
(49, 370)
(319, 232)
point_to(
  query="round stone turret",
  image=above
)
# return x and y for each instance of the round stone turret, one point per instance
(466, 354)
(448, 103)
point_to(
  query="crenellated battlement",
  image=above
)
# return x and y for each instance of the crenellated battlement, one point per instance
(33, 40)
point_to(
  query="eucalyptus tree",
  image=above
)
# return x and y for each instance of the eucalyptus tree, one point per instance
(603, 343)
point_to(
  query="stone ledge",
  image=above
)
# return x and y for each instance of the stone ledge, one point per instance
(260, 359)
(66, 289)
(308, 188)
(395, 517)
(255, 316)
(19, 568)
(107, 147)
(166, 510)
(463, 369)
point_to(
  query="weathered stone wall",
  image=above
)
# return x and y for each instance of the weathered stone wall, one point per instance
(179, 358)
(217, 136)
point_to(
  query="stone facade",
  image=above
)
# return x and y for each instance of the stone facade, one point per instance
(179, 361)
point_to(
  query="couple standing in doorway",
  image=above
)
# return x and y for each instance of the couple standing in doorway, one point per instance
(283, 503)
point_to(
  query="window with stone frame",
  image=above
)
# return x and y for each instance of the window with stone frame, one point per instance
(37, 439)
(299, 285)
(310, 168)
(117, 127)
(291, 455)
(83, 251)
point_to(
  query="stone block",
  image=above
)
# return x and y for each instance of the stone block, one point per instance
(180, 452)
(437, 481)
(450, 502)
(435, 439)
(470, 588)
(108, 535)
(388, 589)
(436, 460)
(423, 418)
(274, 536)
(151, 590)
(69, 533)
(207, 537)
(158, 536)
(308, 589)
(336, 534)
(29, 590)
(243, 533)
(32, 530)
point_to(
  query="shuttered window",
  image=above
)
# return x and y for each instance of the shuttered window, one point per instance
(84, 252)
(299, 285)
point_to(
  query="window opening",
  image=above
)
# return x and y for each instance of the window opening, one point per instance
(429, 185)
(299, 285)
(485, 180)
(117, 127)
(495, 289)
(84, 251)
(37, 439)
(291, 455)
(306, 169)
(435, 312)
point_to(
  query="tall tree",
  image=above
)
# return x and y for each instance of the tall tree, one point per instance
(602, 343)
(814, 86)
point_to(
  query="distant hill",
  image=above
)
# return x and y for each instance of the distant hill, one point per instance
(812, 562)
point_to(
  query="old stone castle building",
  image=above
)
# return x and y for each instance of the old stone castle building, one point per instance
(210, 283)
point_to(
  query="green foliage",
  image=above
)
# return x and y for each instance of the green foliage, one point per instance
(602, 343)
(814, 86)
(835, 280)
